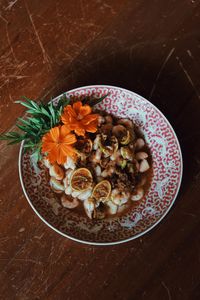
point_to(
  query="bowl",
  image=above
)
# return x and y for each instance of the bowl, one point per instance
(167, 175)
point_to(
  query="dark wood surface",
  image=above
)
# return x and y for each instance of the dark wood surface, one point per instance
(151, 47)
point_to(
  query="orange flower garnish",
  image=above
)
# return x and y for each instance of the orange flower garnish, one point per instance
(79, 118)
(57, 143)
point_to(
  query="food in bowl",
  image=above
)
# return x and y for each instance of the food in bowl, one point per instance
(97, 164)
(110, 172)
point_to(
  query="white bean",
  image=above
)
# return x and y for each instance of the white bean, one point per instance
(144, 166)
(141, 155)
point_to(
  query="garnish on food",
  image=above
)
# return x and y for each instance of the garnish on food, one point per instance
(79, 117)
(57, 144)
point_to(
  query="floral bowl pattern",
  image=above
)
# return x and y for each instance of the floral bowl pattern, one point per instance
(167, 174)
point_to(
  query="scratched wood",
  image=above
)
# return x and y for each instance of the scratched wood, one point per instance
(150, 47)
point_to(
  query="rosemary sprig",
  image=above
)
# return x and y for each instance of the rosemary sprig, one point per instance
(42, 118)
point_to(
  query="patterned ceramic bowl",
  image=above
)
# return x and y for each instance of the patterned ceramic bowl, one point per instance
(167, 170)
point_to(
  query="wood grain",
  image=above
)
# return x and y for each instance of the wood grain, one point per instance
(150, 47)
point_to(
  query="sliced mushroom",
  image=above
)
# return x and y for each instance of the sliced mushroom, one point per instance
(144, 166)
(122, 134)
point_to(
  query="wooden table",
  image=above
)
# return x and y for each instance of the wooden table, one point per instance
(151, 47)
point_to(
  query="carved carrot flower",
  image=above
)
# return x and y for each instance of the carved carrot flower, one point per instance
(79, 117)
(57, 144)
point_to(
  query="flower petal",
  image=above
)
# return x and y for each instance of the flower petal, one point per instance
(80, 131)
(88, 119)
(77, 106)
(61, 157)
(69, 139)
(68, 150)
(55, 132)
(64, 130)
(92, 127)
(85, 110)
(52, 155)
(46, 147)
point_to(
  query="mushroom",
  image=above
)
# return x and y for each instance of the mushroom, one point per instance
(122, 134)
(139, 144)
(126, 122)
